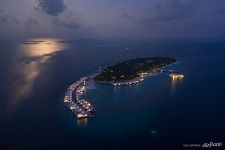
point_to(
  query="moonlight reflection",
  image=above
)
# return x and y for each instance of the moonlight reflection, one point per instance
(41, 47)
(35, 53)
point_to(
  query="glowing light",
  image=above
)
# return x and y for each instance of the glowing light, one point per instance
(37, 52)
(42, 47)
(176, 78)
(82, 122)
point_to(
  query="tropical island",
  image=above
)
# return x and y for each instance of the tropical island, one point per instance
(131, 70)
(125, 73)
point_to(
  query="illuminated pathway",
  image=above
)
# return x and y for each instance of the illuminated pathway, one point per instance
(74, 100)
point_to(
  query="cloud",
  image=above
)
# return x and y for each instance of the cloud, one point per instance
(67, 24)
(3, 18)
(6, 18)
(52, 7)
(126, 19)
(169, 10)
(68, 20)
(32, 22)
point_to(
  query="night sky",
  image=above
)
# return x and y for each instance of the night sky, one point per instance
(155, 19)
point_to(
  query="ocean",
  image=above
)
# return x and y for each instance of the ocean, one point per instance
(159, 113)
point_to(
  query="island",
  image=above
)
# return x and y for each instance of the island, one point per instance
(125, 73)
(132, 71)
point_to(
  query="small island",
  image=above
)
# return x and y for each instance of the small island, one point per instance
(125, 73)
(132, 70)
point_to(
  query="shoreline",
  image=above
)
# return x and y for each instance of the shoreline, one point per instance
(81, 108)
(128, 82)
(135, 80)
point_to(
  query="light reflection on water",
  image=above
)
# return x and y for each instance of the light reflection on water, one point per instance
(82, 122)
(117, 89)
(41, 47)
(34, 53)
(174, 83)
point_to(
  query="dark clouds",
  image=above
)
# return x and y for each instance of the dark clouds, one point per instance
(179, 10)
(117, 18)
(32, 23)
(169, 10)
(52, 7)
(183, 19)
(68, 25)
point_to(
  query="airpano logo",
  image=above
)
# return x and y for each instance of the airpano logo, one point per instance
(211, 144)
(205, 145)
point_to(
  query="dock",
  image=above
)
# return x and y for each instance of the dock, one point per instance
(74, 99)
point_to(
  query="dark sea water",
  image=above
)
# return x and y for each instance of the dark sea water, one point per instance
(157, 114)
